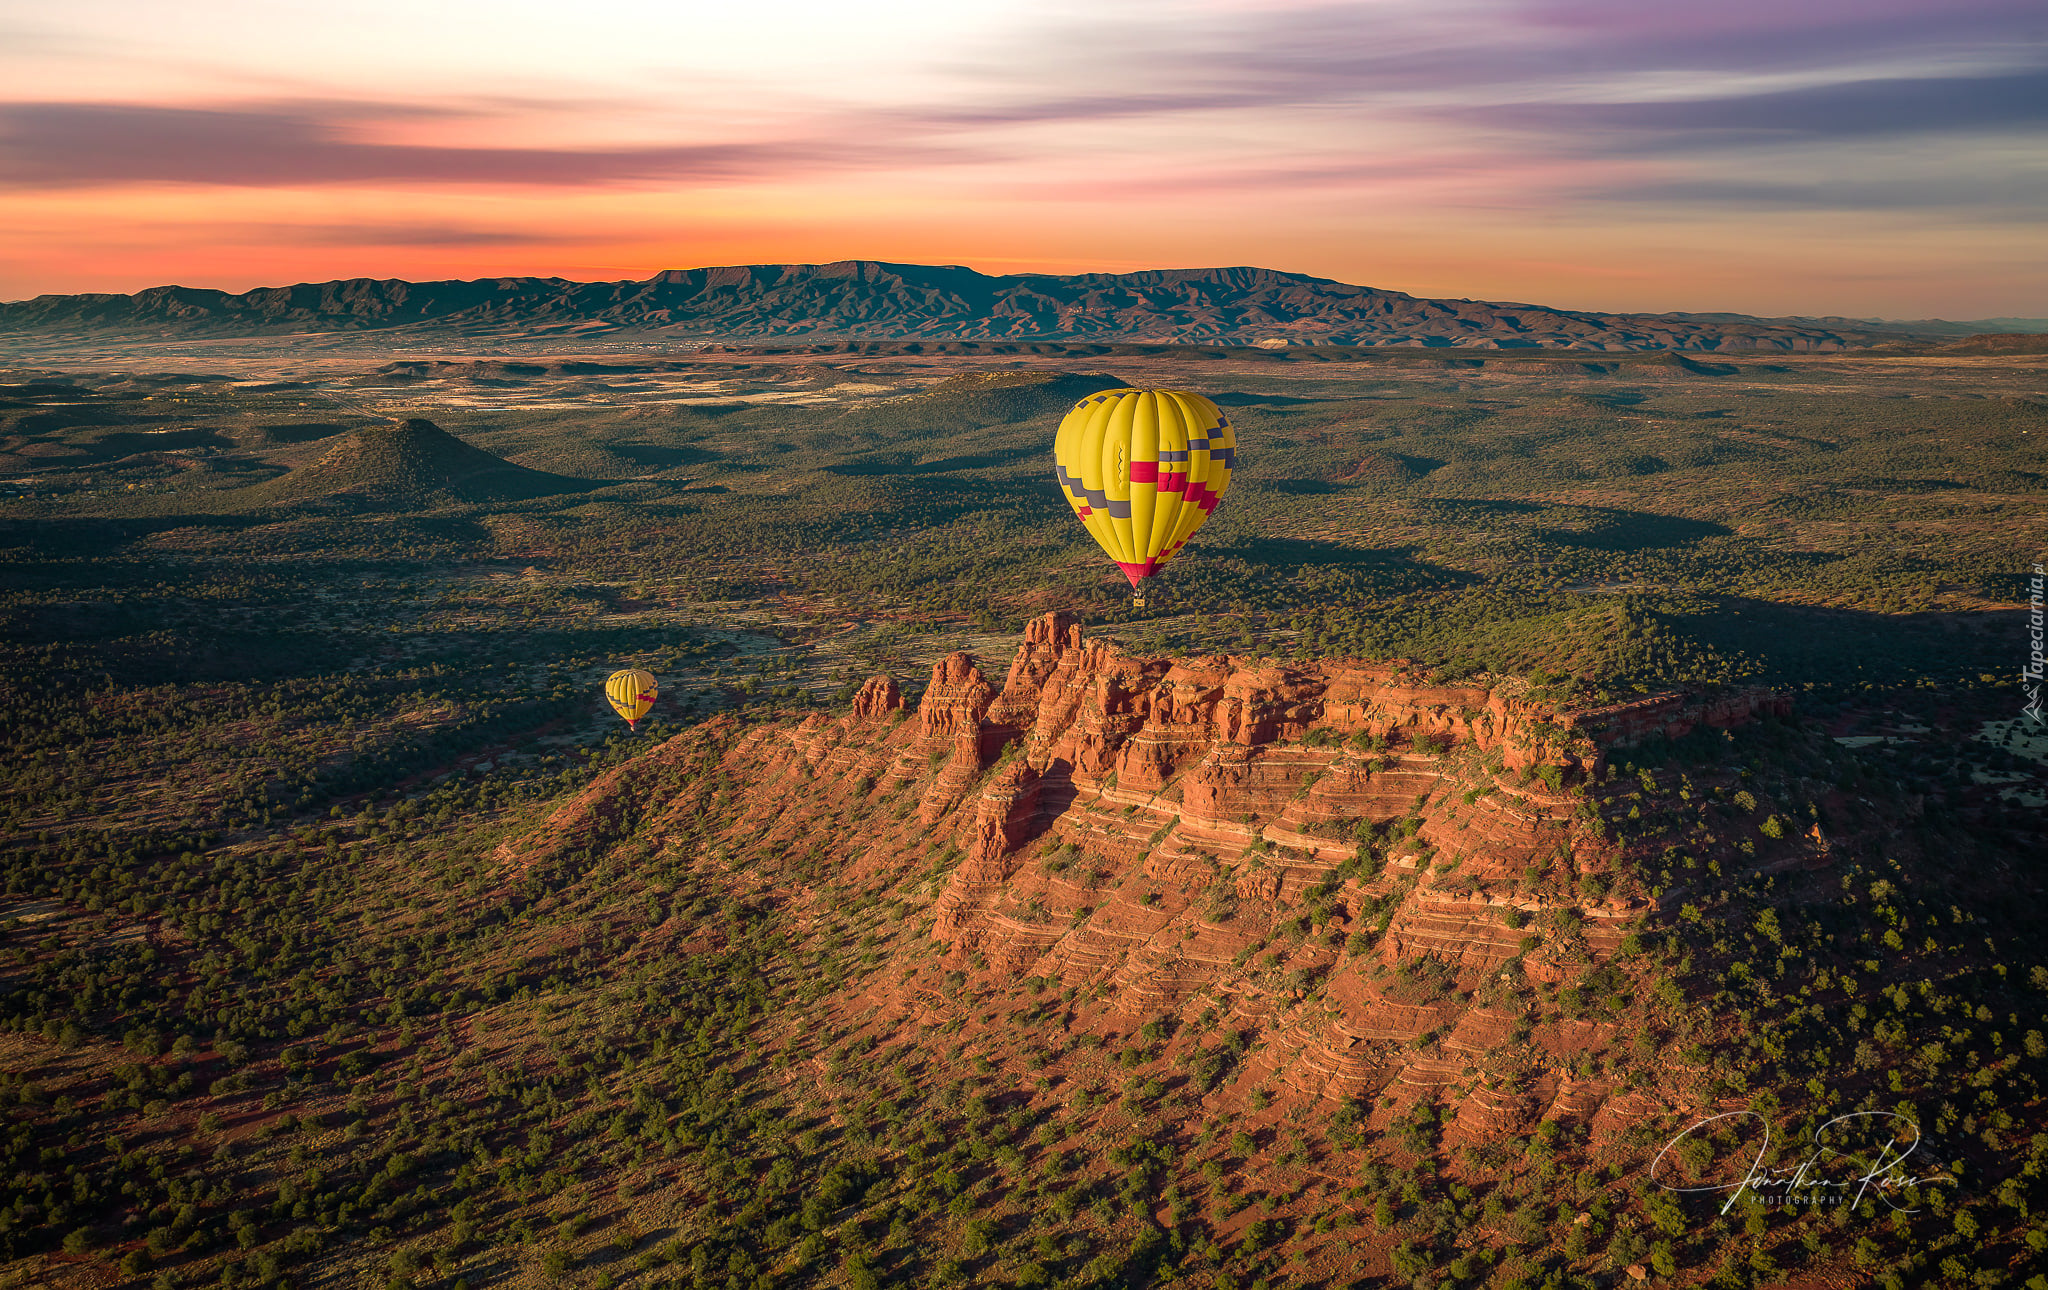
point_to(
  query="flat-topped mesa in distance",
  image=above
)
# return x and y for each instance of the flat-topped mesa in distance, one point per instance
(872, 300)
(1140, 828)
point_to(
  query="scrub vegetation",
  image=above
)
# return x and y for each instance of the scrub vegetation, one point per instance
(277, 1005)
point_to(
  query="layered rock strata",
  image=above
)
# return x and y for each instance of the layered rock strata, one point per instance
(1372, 871)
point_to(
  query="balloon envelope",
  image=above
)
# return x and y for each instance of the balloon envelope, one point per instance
(1143, 469)
(631, 693)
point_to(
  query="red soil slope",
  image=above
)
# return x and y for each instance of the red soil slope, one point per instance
(1181, 838)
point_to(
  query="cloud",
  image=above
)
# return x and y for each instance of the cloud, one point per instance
(1544, 99)
(1474, 52)
(1512, 103)
(1856, 111)
(431, 235)
(1988, 200)
(85, 145)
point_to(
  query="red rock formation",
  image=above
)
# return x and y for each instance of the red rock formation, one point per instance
(1045, 639)
(956, 699)
(878, 698)
(950, 719)
(1182, 835)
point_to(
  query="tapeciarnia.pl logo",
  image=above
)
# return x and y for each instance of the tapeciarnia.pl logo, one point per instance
(2030, 675)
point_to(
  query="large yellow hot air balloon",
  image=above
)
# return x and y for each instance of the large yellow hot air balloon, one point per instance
(1143, 469)
(631, 692)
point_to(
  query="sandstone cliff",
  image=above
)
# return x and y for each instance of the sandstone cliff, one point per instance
(1359, 867)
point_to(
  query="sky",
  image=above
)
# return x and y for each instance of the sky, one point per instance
(1817, 157)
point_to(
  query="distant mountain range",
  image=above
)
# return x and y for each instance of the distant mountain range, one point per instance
(870, 300)
(1919, 328)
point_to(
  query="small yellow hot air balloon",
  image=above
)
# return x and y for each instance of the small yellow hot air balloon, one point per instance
(1143, 469)
(631, 692)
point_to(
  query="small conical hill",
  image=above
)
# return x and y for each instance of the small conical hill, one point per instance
(414, 463)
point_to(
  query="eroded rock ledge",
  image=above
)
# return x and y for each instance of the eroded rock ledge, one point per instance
(1367, 868)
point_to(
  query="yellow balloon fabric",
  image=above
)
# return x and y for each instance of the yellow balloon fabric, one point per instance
(631, 693)
(1143, 469)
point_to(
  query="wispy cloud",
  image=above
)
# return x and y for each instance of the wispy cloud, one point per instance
(1044, 129)
(1476, 52)
(1351, 93)
(1849, 112)
(80, 145)
(421, 235)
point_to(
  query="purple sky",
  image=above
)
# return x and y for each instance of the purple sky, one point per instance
(1820, 157)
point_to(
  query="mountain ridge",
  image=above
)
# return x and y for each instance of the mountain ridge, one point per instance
(1916, 328)
(872, 299)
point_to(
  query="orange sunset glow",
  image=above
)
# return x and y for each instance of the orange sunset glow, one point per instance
(1870, 159)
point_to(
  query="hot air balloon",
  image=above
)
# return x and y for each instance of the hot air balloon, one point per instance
(1143, 469)
(631, 693)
